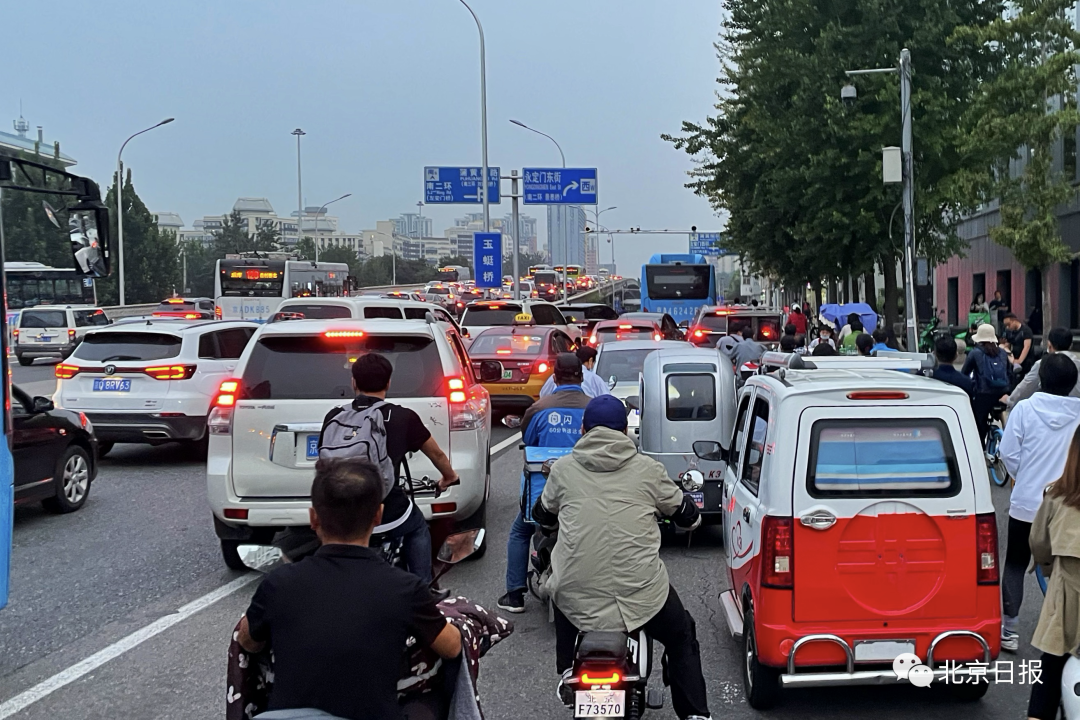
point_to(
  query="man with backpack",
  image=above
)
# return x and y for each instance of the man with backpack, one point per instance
(383, 434)
(988, 366)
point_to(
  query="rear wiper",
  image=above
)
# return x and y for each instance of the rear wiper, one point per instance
(120, 357)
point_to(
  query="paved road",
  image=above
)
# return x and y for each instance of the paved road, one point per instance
(143, 547)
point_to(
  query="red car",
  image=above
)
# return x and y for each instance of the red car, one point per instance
(623, 329)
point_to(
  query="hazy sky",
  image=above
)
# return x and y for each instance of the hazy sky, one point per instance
(382, 87)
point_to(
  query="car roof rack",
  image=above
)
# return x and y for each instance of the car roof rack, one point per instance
(881, 360)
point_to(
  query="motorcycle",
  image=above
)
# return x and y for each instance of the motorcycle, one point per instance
(610, 676)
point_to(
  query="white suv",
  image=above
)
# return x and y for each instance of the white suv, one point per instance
(265, 424)
(150, 382)
(53, 330)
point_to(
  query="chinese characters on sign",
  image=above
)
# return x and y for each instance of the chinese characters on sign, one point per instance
(707, 244)
(459, 185)
(559, 186)
(487, 258)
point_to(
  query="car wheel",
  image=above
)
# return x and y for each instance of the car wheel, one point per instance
(231, 555)
(72, 481)
(760, 682)
(24, 361)
(104, 448)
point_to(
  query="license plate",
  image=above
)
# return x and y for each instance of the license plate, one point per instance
(508, 374)
(112, 385)
(599, 703)
(312, 446)
(698, 498)
(882, 650)
(44, 338)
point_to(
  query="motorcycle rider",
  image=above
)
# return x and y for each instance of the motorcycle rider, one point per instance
(606, 569)
(553, 421)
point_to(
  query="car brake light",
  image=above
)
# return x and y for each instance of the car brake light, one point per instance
(235, 513)
(221, 410)
(722, 312)
(877, 395)
(986, 549)
(191, 316)
(456, 388)
(592, 339)
(626, 327)
(541, 367)
(15, 333)
(656, 337)
(604, 678)
(65, 372)
(170, 372)
(778, 558)
(337, 334)
(217, 312)
(71, 333)
(698, 333)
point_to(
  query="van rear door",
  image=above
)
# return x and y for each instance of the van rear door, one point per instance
(884, 515)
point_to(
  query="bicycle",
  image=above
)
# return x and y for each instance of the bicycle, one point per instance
(994, 464)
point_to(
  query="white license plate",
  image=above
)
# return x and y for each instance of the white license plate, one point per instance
(599, 703)
(112, 385)
(508, 374)
(698, 498)
(882, 650)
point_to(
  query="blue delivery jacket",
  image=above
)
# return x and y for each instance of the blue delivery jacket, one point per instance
(554, 424)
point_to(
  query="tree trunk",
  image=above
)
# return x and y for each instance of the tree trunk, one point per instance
(871, 290)
(892, 292)
(830, 291)
(816, 285)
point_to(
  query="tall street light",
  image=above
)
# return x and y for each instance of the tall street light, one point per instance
(848, 94)
(483, 120)
(299, 187)
(120, 203)
(321, 208)
(597, 214)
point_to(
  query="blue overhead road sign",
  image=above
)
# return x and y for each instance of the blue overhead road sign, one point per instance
(706, 244)
(487, 257)
(560, 186)
(459, 185)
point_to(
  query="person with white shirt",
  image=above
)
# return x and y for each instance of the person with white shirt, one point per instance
(1034, 448)
(591, 383)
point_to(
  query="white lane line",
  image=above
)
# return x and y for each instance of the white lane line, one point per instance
(76, 671)
(516, 437)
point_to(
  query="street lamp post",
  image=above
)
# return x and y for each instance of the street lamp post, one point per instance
(299, 188)
(849, 94)
(483, 120)
(321, 208)
(120, 203)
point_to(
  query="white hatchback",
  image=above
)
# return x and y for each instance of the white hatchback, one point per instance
(150, 382)
(265, 425)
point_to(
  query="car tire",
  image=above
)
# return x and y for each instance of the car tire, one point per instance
(231, 555)
(24, 361)
(72, 481)
(104, 448)
(199, 448)
(761, 683)
(969, 693)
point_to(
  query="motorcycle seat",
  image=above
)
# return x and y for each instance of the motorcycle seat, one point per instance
(599, 645)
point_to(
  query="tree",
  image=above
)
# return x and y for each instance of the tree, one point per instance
(305, 248)
(233, 237)
(151, 256)
(527, 260)
(201, 264)
(800, 175)
(339, 254)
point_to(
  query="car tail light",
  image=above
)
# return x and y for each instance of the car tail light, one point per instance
(877, 395)
(71, 333)
(592, 339)
(221, 410)
(986, 549)
(65, 372)
(468, 404)
(235, 513)
(84, 421)
(698, 333)
(170, 372)
(217, 312)
(191, 316)
(456, 389)
(656, 337)
(601, 677)
(626, 327)
(778, 558)
(541, 367)
(446, 507)
(15, 333)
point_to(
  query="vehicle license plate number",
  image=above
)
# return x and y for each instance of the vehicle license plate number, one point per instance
(882, 650)
(312, 447)
(112, 385)
(599, 703)
(698, 498)
(508, 374)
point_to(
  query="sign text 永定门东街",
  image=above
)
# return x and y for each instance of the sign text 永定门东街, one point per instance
(559, 186)
(459, 185)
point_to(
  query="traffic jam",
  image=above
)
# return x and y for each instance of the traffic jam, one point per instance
(849, 481)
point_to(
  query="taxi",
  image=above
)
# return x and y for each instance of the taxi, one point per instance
(526, 355)
(625, 329)
(859, 528)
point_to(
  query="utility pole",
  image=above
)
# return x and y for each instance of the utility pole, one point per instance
(515, 195)
(909, 202)
(299, 189)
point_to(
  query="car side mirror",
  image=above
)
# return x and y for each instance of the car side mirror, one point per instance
(43, 404)
(465, 332)
(490, 371)
(710, 450)
(633, 402)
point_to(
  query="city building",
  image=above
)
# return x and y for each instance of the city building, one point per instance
(526, 232)
(413, 225)
(20, 140)
(197, 233)
(169, 221)
(566, 234)
(256, 212)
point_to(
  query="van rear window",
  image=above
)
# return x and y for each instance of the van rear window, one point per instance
(316, 311)
(886, 458)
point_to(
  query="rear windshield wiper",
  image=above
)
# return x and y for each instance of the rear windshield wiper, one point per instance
(120, 357)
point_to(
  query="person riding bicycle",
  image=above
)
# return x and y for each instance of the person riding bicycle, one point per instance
(988, 366)
(553, 421)
(606, 571)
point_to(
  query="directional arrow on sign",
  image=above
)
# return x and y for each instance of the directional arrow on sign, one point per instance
(568, 188)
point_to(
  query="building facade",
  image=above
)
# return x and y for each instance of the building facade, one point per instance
(21, 140)
(566, 234)
(413, 225)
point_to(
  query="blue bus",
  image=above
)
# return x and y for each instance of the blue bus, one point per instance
(677, 285)
(87, 231)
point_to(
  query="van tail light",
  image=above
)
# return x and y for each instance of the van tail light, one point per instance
(15, 333)
(65, 372)
(778, 557)
(877, 395)
(221, 410)
(986, 549)
(171, 372)
(71, 333)
(468, 404)
(217, 312)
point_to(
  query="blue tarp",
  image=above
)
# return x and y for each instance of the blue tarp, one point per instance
(837, 314)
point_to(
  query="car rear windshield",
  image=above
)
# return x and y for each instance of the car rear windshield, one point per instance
(176, 307)
(313, 367)
(42, 319)
(315, 311)
(881, 458)
(111, 346)
(375, 311)
(691, 397)
(766, 329)
(437, 291)
(625, 333)
(480, 315)
(546, 278)
(711, 321)
(625, 365)
(501, 344)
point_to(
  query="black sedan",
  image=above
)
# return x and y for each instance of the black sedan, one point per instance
(55, 453)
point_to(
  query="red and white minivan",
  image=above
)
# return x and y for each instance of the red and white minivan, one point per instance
(859, 527)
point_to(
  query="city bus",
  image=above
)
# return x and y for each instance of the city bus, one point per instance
(251, 288)
(677, 285)
(533, 269)
(32, 283)
(454, 273)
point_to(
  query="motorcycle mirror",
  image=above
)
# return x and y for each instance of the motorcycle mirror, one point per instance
(692, 480)
(260, 558)
(460, 545)
(710, 450)
(512, 421)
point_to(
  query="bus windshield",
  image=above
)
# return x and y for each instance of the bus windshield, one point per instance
(677, 282)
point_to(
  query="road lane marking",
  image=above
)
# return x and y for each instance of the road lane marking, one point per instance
(76, 671)
(516, 437)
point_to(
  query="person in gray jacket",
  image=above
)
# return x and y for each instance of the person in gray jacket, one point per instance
(1058, 340)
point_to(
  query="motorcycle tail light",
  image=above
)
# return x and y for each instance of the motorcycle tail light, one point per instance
(778, 558)
(600, 677)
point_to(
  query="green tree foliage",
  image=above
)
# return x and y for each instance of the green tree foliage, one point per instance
(527, 259)
(305, 248)
(339, 254)
(201, 266)
(151, 256)
(28, 234)
(379, 271)
(1017, 120)
(233, 236)
(800, 174)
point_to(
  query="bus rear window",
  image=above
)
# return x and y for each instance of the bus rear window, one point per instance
(881, 458)
(677, 282)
